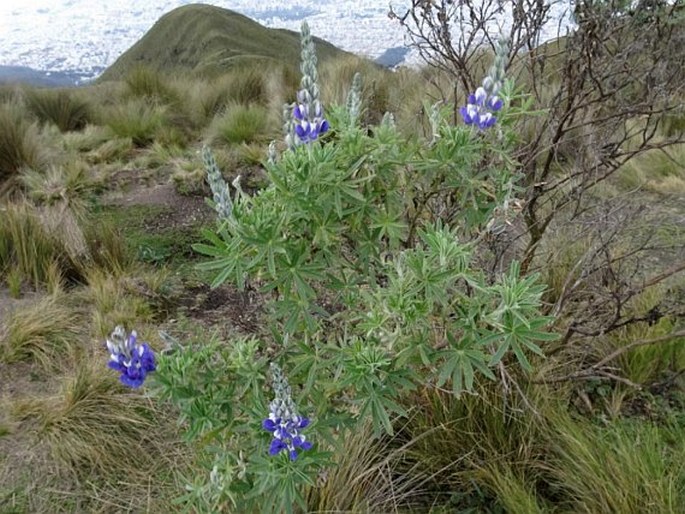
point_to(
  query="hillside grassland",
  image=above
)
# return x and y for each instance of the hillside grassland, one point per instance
(215, 49)
(102, 196)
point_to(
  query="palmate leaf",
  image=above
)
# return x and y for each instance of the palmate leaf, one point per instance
(519, 337)
(389, 225)
(462, 360)
(297, 271)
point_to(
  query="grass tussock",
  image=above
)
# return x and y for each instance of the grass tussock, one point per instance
(86, 140)
(99, 440)
(648, 363)
(49, 245)
(150, 85)
(626, 467)
(111, 150)
(365, 478)
(68, 110)
(247, 86)
(488, 453)
(93, 423)
(46, 332)
(660, 171)
(20, 145)
(240, 124)
(136, 120)
(67, 184)
(114, 301)
(26, 247)
(674, 123)
(107, 247)
(190, 181)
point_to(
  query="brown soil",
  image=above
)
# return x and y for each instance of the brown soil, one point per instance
(224, 308)
(181, 210)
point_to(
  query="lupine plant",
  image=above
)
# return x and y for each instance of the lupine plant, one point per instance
(221, 193)
(366, 246)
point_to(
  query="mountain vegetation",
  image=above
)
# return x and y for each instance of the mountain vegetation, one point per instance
(469, 315)
(209, 40)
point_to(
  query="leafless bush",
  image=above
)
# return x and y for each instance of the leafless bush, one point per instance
(608, 86)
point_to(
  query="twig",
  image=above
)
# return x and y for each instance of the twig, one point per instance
(593, 372)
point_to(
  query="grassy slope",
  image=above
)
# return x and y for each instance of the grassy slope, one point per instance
(210, 39)
(486, 453)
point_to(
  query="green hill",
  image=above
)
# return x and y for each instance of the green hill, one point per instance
(208, 40)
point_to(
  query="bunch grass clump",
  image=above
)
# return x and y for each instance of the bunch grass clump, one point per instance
(246, 85)
(660, 171)
(648, 364)
(68, 110)
(87, 139)
(137, 120)
(625, 467)
(368, 476)
(151, 85)
(29, 249)
(530, 454)
(240, 124)
(95, 428)
(107, 246)
(114, 301)
(20, 144)
(67, 184)
(46, 332)
(112, 149)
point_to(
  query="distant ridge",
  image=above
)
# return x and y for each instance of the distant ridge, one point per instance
(208, 39)
(31, 77)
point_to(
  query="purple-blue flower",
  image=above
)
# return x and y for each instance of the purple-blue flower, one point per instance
(286, 434)
(130, 358)
(304, 119)
(480, 108)
(283, 422)
(308, 116)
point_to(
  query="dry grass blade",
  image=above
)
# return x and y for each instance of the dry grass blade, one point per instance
(46, 332)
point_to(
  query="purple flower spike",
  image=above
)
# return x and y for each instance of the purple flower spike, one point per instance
(132, 360)
(479, 109)
(283, 422)
(309, 120)
(482, 104)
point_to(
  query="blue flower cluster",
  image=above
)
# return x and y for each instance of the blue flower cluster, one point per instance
(310, 123)
(307, 121)
(283, 422)
(130, 358)
(480, 108)
(482, 104)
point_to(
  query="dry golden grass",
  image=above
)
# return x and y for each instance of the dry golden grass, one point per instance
(365, 478)
(113, 302)
(26, 247)
(98, 447)
(47, 332)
